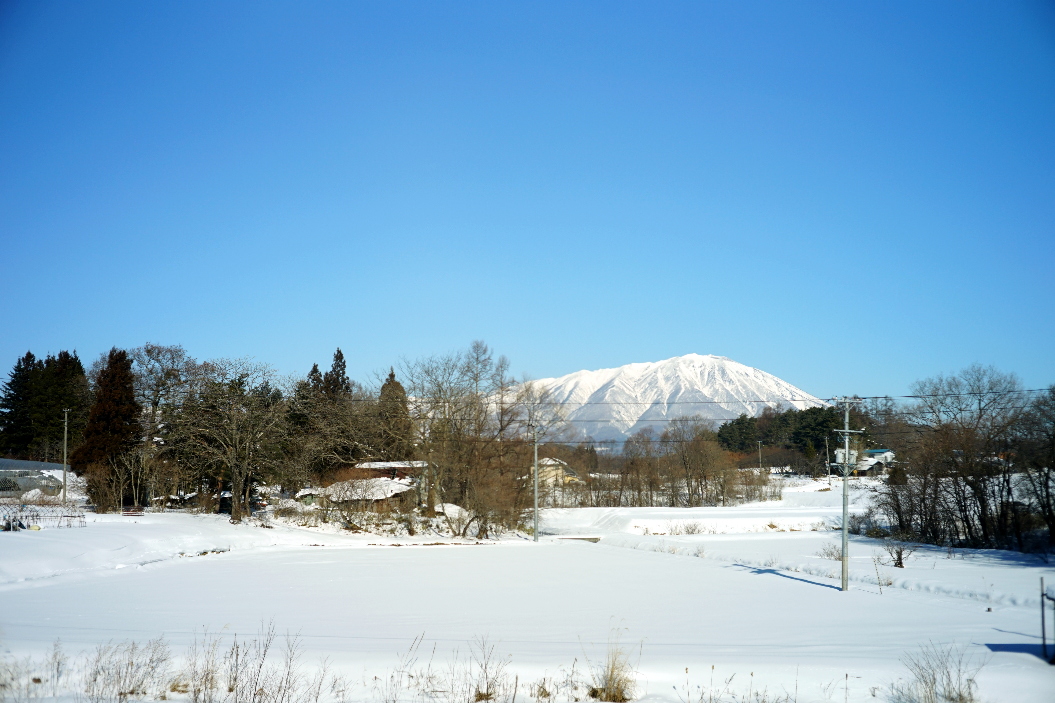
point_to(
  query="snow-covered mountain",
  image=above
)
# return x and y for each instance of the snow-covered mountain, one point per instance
(615, 403)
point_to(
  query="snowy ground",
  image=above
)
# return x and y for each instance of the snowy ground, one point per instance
(739, 594)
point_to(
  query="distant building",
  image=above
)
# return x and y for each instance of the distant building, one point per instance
(554, 473)
(874, 462)
(18, 477)
(391, 469)
(360, 493)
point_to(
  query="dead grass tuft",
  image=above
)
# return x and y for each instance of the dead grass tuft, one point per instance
(614, 680)
(939, 675)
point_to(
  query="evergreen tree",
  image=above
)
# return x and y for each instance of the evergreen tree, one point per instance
(315, 378)
(59, 384)
(738, 435)
(396, 427)
(812, 427)
(113, 421)
(335, 382)
(16, 407)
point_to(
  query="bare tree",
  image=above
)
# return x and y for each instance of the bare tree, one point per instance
(164, 376)
(957, 481)
(231, 426)
(698, 462)
(470, 417)
(1037, 457)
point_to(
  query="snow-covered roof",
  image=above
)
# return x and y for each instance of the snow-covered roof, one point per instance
(360, 489)
(368, 489)
(392, 465)
(25, 465)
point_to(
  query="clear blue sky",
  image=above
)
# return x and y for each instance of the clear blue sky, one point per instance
(851, 196)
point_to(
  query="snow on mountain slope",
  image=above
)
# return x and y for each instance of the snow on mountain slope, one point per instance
(615, 403)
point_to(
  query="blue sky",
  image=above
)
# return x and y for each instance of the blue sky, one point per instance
(851, 196)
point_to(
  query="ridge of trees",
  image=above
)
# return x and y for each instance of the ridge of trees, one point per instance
(805, 431)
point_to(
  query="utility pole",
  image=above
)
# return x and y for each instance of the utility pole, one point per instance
(65, 436)
(534, 464)
(759, 457)
(846, 432)
(828, 461)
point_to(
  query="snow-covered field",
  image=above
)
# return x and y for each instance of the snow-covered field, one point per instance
(745, 592)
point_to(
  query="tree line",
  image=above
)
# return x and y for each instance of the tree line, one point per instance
(155, 425)
(152, 425)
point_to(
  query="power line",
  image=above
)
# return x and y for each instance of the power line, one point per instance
(811, 399)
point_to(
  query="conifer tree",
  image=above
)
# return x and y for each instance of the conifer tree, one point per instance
(335, 382)
(315, 378)
(395, 424)
(16, 404)
(113, 421)
(59, 384)
(32, 404)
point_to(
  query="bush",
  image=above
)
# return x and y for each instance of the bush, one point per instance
(832, 551)
(898, 548)
(864, 523)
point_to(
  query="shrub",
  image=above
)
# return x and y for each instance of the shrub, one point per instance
(832, 551)
(898, 548)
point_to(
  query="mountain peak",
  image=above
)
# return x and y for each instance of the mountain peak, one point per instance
(615, 403)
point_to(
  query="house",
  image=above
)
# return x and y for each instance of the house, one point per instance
(553, 473)
(391, 469)
(874, 462)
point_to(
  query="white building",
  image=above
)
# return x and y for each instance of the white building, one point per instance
(874, 461)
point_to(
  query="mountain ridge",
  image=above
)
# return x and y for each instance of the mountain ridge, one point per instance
(612, 404)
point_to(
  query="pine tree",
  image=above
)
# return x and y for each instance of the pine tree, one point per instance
(113, 421)
(16, 407)
(396, 427)
(335, 382)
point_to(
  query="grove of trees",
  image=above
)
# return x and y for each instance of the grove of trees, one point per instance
(31, 406)
(975, 458)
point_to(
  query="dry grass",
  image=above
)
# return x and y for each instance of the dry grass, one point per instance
(268, 669)
(675, 527)
(614, 680)
(939, 675)
(243, 672)
(724, 692)
(117, 672)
